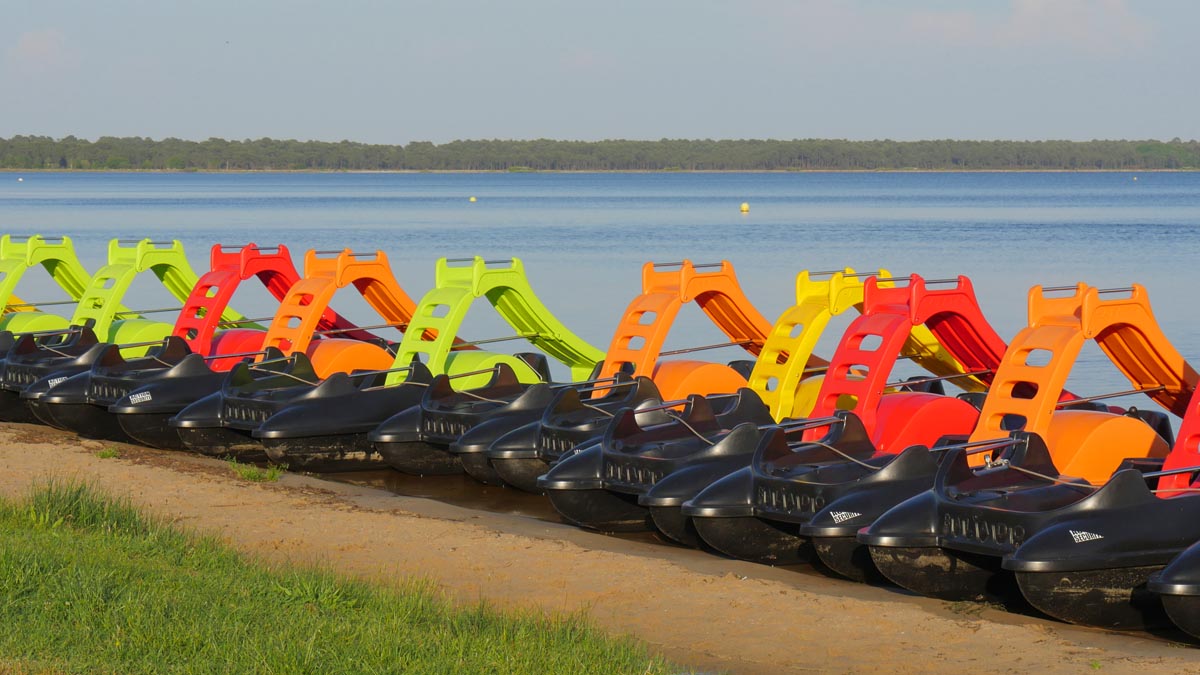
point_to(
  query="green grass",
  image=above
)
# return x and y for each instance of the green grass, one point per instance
(256, 474)
(91, 585)
(109, 452)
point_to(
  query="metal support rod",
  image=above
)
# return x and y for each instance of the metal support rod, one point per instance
(902, 357)
(342, 251)
(238, 247)
(148, 343)
(468, 373)
(289, 357)
(976, 447)
(1101, 397)
(679, 263)
(667, 405)
(368, 373)
(1121, 289)
(42, 304)
(157, 310)
(281, 373)
(927, 282)
(527, 336)
(235, 355)
(242, 322)
(152, 243)
(485, 262)
(938, 378)
(848, 275)
(51, 333)
(339, 331)
(39, 334)
(801, 424)
(1171, 472)
(597, 387)
(737, 343)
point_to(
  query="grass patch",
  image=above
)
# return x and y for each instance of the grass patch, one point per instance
(257, 474)
(92, 585)
(109, 453)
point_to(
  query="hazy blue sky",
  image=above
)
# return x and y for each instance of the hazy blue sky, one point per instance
(394, 72)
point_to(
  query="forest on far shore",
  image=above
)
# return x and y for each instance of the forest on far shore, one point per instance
(265, 154)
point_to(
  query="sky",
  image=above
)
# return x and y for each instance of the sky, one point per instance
(402, 71)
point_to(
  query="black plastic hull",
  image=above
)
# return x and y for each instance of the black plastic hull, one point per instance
(324, 454)
(1116, 599)
(675, 526)
(85, 419)
(601, 510)
(754, 539)
(223, 443)
(847, 557)
(151, 429)
(418, 458)
(42, 414)
(1184, 611)
(477, 466)
(13, 409)
(521, 473)
(944, 574)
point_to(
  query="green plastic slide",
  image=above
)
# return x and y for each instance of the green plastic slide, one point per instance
(100, 301)
(57, 256)
(440, 314)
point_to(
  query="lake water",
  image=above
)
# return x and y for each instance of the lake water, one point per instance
(583, 237)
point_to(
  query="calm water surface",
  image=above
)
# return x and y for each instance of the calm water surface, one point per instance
(583, 237)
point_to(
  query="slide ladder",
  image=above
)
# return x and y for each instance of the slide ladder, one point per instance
(666, 287)
(1184, 454)
(54, 254)
(201, 317)
(304, 308)
(100, 304)
(783, 375)
(441, 312)
(857, 378)
(1031, 379)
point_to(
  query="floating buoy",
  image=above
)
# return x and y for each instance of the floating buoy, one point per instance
(745, 207)
(20, 180)
(1135, 177)
(472, 200)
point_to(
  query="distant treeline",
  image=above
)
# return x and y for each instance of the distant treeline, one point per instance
(215, 154)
